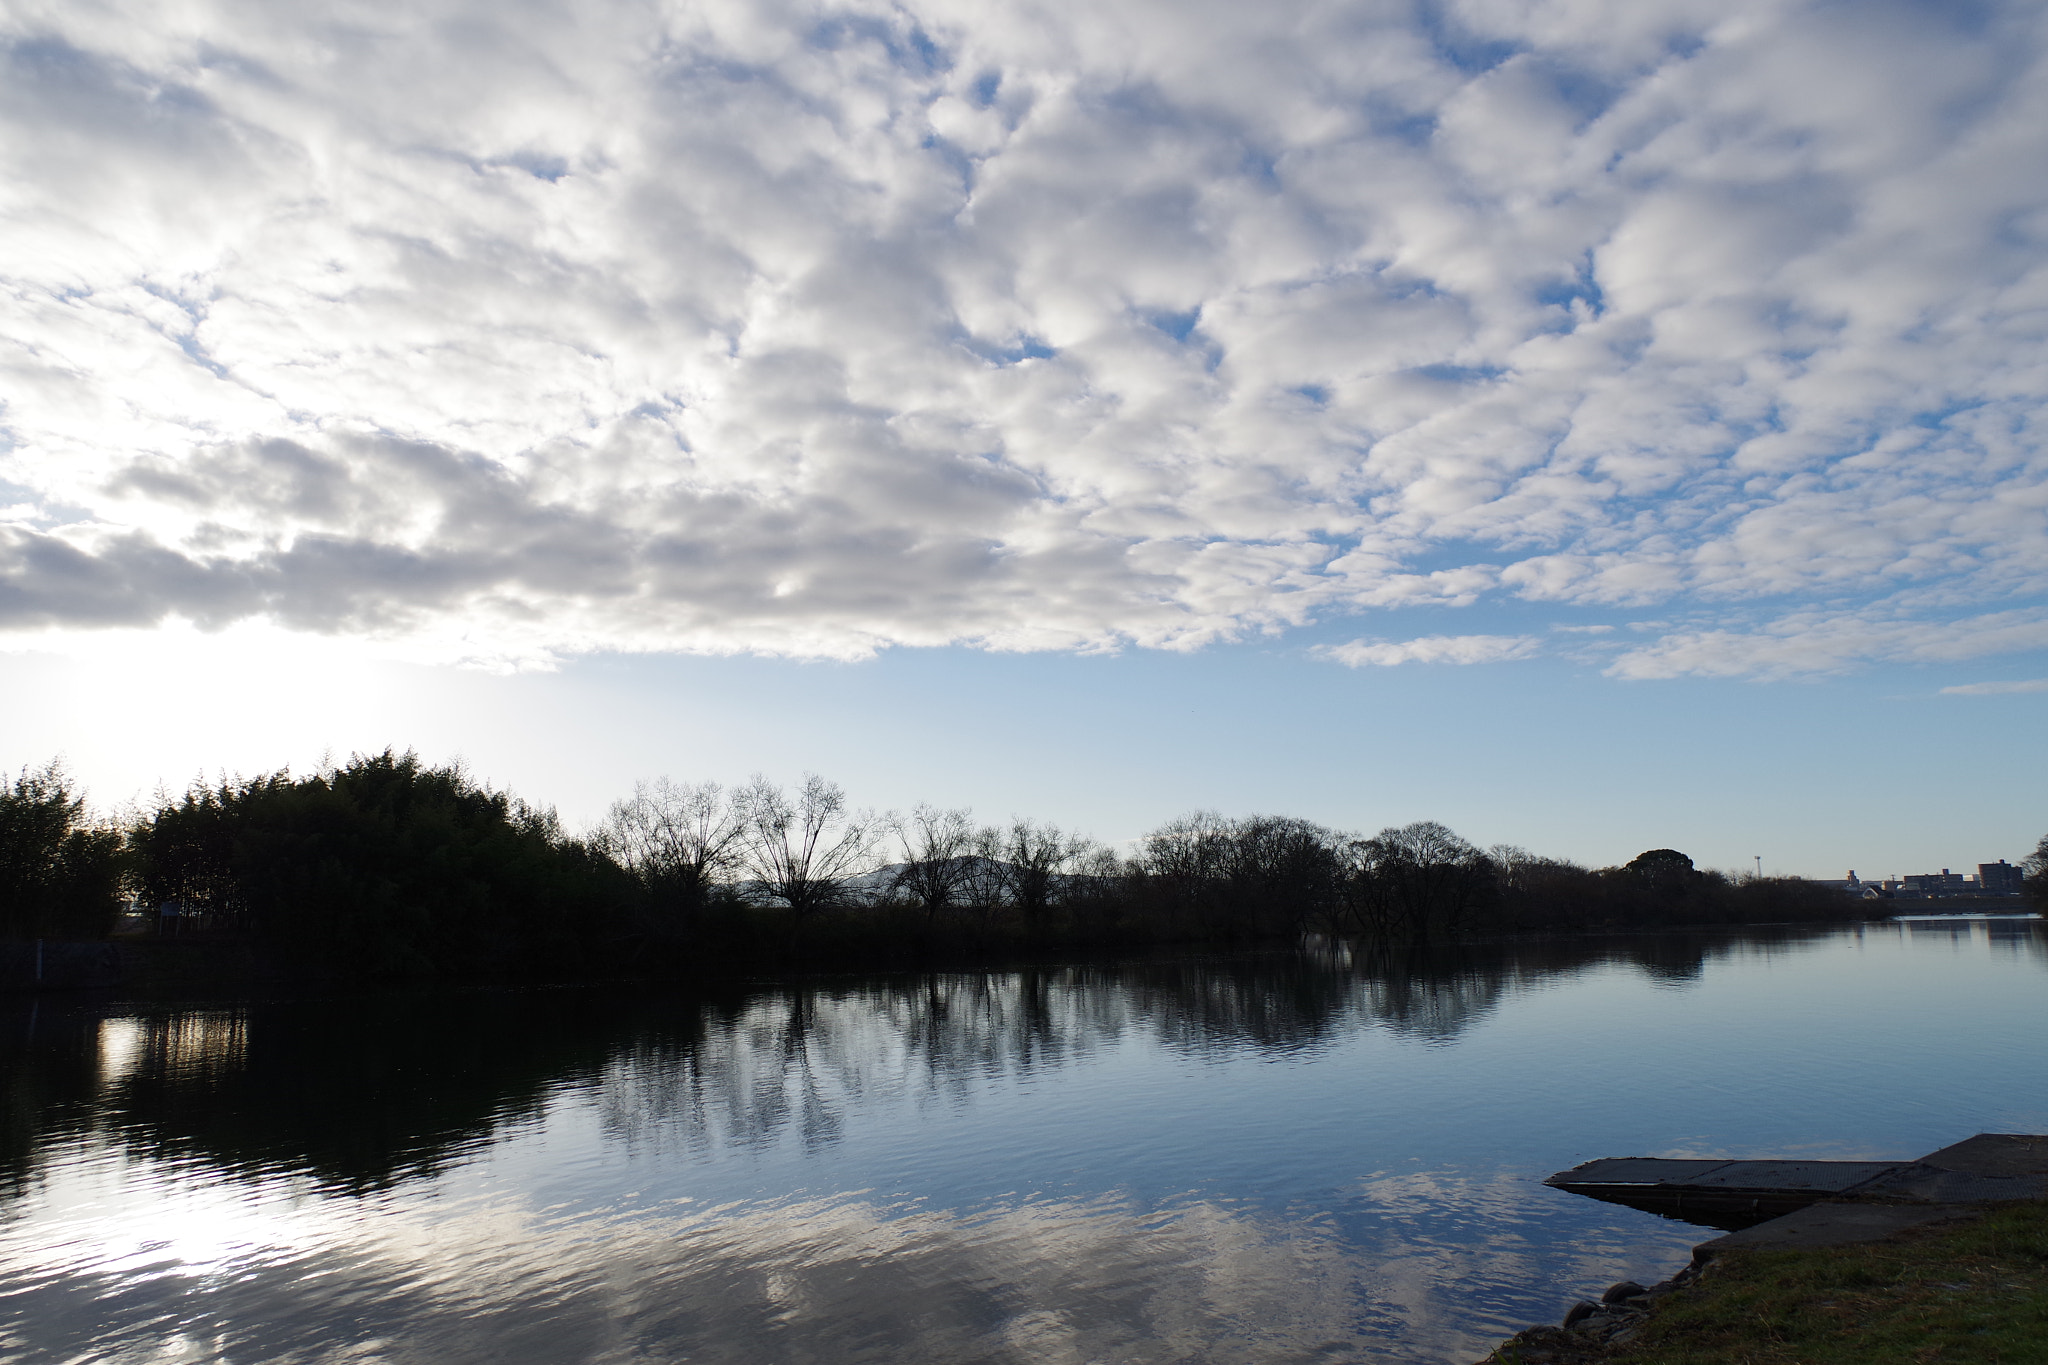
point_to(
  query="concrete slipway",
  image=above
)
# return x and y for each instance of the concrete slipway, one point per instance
(1820, 1203)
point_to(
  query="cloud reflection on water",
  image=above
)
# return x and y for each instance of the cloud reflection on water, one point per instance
(774, 1171)
(260, 1273)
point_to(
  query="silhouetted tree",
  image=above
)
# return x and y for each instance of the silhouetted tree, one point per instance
(1536, 892)
(803, 849)
(1281, 874)
(60, 874)
(386, 867)
(2036, 869)
(1762, 900)
(1184, 866)
(1664, 870)
(984, 886)
(938, 849)
(186, 851)
(680, 841)
(1033, 857)
(1261, 876)
(1417, 882)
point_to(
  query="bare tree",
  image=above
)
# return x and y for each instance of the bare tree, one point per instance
(1258, 875)
(1282, 873)
(1419, 880)
(985, 881)
(1032, 857)
(678, 839)
(1185, 861)
(802, 849)
(1095, 884)
(1191, 849)
(937, 848)
(2035, 870)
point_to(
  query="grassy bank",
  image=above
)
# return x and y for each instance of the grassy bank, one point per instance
(1974, 1291)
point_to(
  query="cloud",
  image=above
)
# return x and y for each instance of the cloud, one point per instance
(1431, 649)
(1813, 643)
(1993, 689)
(818, 328)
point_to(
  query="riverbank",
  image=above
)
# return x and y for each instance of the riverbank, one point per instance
(1974, 1288)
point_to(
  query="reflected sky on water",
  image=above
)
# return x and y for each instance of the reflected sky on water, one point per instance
(1276, 1157)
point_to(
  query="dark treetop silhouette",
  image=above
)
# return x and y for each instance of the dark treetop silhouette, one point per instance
(386, 868)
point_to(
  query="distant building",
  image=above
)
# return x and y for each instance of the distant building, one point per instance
(1993, 879)
(1936, 885)
(2000, 879)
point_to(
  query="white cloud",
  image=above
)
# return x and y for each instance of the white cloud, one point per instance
(1431, 649)
(1993, 689)
(824, 326)
(1810, 643)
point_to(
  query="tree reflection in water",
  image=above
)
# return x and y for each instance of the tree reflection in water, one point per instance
(363, 1091)
(306, 1179)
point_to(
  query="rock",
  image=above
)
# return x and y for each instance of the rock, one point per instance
(1545, 1346)
(1578, 1313)
(1627, 1289)
(1612, 1324)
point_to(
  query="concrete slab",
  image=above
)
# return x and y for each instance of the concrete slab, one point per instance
(1804, 1177)
(1635, 1170)
(1928, 1184)
(1988, 1168)
(1717, 1194)
(1994, 1154)
(1827, 1225)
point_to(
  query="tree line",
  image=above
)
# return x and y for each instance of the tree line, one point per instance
(389, 867)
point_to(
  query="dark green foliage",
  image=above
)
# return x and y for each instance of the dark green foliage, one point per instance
(1663, 870)
(386, 868)
(60, 876)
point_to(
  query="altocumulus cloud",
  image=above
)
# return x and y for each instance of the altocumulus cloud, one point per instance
(816, 328)
(1431, 649)
(1993, 689)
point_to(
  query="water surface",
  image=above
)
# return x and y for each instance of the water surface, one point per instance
(1265, 1158)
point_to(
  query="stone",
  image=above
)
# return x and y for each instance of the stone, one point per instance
(1546, 1346)
(1627, 1289)
(1578, 1313)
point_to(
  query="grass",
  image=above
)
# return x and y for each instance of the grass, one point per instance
(1962, 1292)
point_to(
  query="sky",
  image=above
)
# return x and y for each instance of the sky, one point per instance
(1594, 424)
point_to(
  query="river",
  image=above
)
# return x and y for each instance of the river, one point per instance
(1259, 1158)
